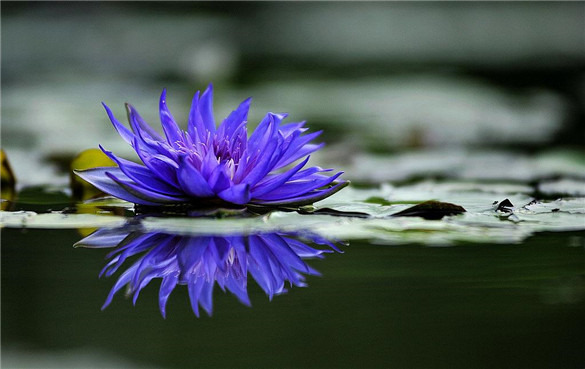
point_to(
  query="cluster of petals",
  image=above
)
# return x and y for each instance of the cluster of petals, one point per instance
(200, 262)
(219, 164)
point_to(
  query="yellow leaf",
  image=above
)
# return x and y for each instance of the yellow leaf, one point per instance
(87, 159)
(8, 182)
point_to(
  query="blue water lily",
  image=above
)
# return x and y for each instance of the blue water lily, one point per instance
(209, 164)
(199, 262)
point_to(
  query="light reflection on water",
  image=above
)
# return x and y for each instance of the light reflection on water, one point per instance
(273, 260)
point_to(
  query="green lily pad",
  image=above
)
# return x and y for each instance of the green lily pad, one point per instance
(431, 210)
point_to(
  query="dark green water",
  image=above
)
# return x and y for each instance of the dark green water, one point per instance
(468, 306)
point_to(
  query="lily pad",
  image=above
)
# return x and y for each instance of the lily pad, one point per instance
(562, 187)
(431, 210)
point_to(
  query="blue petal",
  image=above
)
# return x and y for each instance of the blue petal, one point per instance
(206, 296)
(192, 181)
(237, 194)
(239, 289)
(265, 164)
(166, 287)
(278, 180)
(289, 128)
(264, 131)
(298, 148)
(160, 165)
(142, 175)
(172, 130)
(259, 266)
(103, 238)
(218, 179)
(206, 109)
(195, 285)
(286, 255)
(144, 193)
(121, 282)
(296, 188)
(235, 119)
(305, 150)
(139, 125)
(98, 177)
(122, 130)
(309, 173)
(209, 163)
(304, 199)
(196, 127)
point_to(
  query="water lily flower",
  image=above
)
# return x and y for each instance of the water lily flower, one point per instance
(199, 262)
(209, 164)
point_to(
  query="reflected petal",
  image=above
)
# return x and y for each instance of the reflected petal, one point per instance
(274, 260)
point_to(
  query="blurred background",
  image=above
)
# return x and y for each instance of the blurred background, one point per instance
(402, 90)
(377, 77)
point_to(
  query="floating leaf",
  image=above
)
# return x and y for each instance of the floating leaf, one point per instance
(102, 206)
(562, 187)
(333, 212)
(431, 210)
(378, 200)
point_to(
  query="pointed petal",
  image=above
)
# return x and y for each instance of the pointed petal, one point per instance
(289, 128)
(121, 282)
(172, 130)
(166, 287)
(98, 177)
(298, 148)
(278, 180)
(206, 297)
(144, 193)
(139, 125)
(194, 286)
(196, 127)
(103, 238)
(206, 108)
(265, 163)
(296, 188)
(235, 119)
(143, 175)
(305, 199)
(124, 132)
(160, 165)
(264, 131)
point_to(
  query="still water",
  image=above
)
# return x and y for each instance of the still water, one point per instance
(472, 305)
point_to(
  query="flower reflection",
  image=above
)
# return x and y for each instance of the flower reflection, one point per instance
(272, 259)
